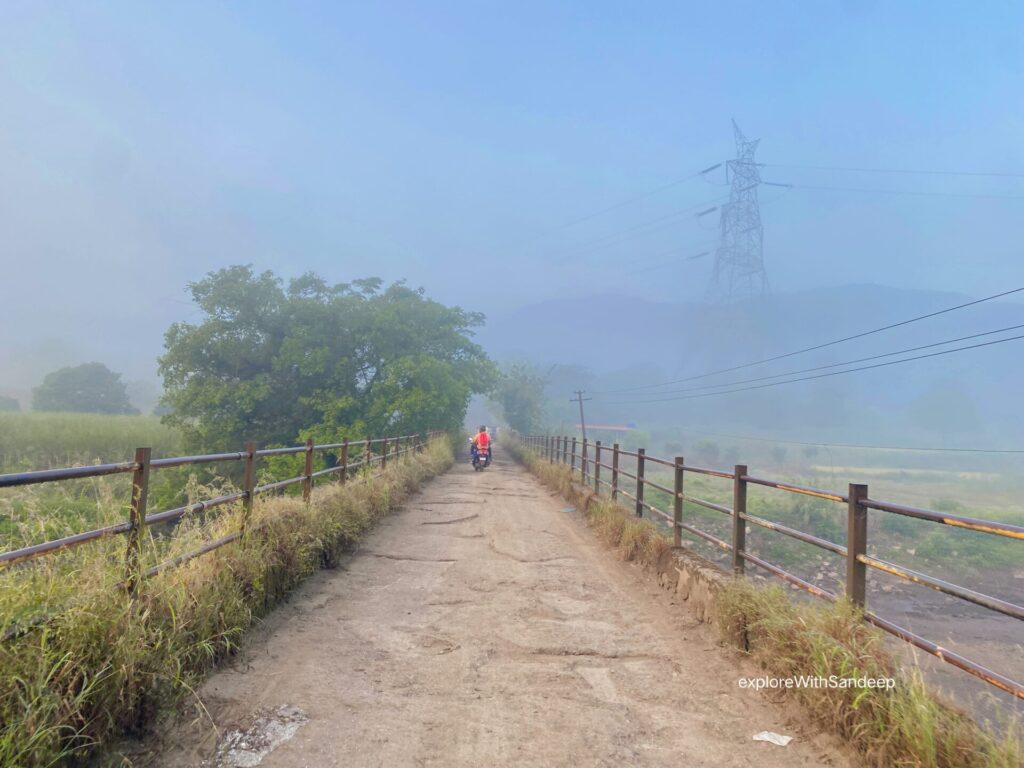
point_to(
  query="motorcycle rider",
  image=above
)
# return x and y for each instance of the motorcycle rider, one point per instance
(482, 443)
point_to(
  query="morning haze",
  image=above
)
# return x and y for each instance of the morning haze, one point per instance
(698, 267)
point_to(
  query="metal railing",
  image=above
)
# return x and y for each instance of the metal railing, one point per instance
(561, 449)
(371, 451)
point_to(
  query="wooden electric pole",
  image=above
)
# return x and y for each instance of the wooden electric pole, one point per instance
(581, 399)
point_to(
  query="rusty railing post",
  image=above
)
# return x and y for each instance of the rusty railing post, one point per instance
(572, 458)
(739, 525)
(856, 544)
(640, 462)
(615, 471)
(551, 449)
(583, 462)
(344, 461)
(368, 453)
(137, 518)
(384, 454)
(248, 483)
(677, 504)
(597, 467)
(307, 472)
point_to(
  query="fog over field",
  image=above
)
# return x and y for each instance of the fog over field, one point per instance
(465, 150)
(766, 256)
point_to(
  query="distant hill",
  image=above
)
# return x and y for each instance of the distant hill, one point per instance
(628, 342)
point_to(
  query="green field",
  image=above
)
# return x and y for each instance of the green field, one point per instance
(32, 440)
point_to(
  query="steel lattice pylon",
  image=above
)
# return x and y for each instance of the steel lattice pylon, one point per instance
(739, 261)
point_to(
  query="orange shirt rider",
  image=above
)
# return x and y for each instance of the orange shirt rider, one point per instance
(482, 441)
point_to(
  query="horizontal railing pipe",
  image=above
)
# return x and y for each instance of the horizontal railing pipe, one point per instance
(709, 472)
(46, 547)
(985, 601)
(807, 538)
(708, 504)
(801, 489)
(178, 461)
(957, 521)
(68, 473)
(199, 506)
(280, 451)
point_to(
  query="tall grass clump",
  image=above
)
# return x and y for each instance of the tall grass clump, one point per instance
(635, 539)
(101, 665)
(904, 726)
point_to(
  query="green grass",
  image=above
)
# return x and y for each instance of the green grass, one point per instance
(31, 440)
(104, 665)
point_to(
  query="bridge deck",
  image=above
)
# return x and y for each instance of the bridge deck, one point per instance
(484, 626)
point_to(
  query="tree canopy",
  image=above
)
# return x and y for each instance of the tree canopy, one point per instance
(275, 362)
(519, 395)
(87, 388)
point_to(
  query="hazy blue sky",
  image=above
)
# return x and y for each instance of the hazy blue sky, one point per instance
(143, 144)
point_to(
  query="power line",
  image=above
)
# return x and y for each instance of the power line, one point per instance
(820, 375)
(839, 365)
(672, 263)
(617, 237)
(927, 449)
(908, 171)
(628, 201)
(817, 346)
(917, 193)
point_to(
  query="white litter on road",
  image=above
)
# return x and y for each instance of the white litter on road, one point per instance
(267, 732)
(773, 738)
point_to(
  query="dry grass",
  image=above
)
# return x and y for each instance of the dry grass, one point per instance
(905, 726)
(105, 664)
(635, 539)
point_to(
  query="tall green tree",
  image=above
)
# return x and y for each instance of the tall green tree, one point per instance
(274, 362)
(519, 395)
(8, 403)
(87, 388)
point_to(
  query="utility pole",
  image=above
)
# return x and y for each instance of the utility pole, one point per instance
(581, 399)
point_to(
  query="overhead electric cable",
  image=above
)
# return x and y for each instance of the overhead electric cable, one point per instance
(917, 193)
(818, 346)
(927, 449)
(835, 365)
(628, 201)
(673, 263)
(616, 237)
(908, 171)
(818, 376)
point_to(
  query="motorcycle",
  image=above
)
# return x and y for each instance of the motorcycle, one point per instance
(481, 459)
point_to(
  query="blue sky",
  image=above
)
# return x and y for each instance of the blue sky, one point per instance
(145, 144)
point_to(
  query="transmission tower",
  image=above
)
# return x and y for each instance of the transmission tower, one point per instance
(739, 261)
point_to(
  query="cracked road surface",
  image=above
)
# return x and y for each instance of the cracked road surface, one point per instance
(485, 626)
